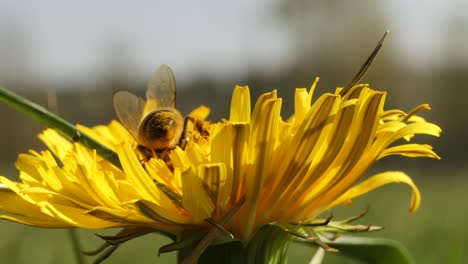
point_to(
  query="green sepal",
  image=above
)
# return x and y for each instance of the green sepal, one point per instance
(113, 242)
(268, 245)
(189, 242)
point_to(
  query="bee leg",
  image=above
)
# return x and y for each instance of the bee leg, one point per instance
(184, 139)
(145, 152)
(164, 156)
(154, 153)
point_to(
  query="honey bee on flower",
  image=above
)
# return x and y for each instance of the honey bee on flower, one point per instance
(156, 124)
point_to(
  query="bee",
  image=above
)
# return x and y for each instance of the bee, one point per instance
(155, 123)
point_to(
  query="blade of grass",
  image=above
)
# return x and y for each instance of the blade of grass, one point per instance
(54, 121)
(366, 64)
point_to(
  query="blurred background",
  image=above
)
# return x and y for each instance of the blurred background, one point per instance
(72, 57)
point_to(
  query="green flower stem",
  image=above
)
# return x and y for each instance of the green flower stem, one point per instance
(54, 121)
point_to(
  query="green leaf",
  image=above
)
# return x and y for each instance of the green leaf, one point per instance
(372, 250)
(54, 121)
(367, 249)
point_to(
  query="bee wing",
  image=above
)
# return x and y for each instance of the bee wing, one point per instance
(129, 109)
(161, 91)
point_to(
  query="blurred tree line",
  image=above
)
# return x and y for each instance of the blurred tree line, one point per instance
(326, 44)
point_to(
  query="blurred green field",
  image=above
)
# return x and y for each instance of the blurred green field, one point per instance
(435, 234)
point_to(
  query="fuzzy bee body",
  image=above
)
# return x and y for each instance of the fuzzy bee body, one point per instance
(155, 123)
(161, 129)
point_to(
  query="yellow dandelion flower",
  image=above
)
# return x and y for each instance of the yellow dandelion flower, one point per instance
(288, 171)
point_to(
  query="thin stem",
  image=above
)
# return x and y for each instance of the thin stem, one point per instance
(54, 121)
(76, 246)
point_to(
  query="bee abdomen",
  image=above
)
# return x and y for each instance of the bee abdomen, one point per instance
(159, 129)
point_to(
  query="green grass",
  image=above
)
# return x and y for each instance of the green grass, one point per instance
(434, 234)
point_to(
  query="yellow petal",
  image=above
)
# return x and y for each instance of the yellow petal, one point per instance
(155, 212)
(38, 170)
(302, 102)
(240, 105)
(216, 185)
(49, 222)
(410, 150)
(312, 90)
(359, 133)
(137, 175)
(74, 216)
(21, 211)
(196, 155)
(200, 112)
(119, 133)
(98, 184)
(159, 171)
(293, 158)
(194, 198)
(56, 143)
(230, 146)
(265, 130)
(301, 105)
(377, 181)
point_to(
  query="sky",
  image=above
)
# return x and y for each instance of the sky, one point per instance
(69, 38)
(72, 39)
(420, 28)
